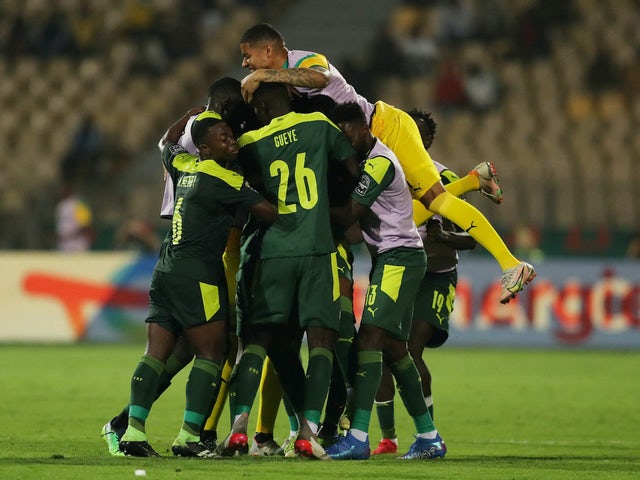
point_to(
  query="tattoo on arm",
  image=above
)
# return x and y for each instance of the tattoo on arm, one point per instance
(298, 77)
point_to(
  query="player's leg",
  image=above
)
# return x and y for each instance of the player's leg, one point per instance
(319, 314)
(355, 445)
(241, 255)
(210, 344)
(346, 354)
(273, 293)
(338, 409)
(162, 333)
(209, 435)
(428, 443)
(334, 406)
(394, 281)
(386, 416)
(516, 274)
(482, 178)
(270, 396)
(401, 135)
(421, 332)
(231, 263)
(114, 429)
(144, 385)
(285, 356)
(430, 326)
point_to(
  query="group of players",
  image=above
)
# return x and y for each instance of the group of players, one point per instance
(306, 166)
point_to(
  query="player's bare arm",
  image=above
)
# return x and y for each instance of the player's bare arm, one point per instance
(316, 77)
(173, 133)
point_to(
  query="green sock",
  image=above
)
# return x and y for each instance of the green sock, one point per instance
(344, 345)
(203, 383)
(410, 389)
(386, 417)
(367, 381)
(317, 383)
(248, 377)
(171, 368)
(144, 385)
(232, 392)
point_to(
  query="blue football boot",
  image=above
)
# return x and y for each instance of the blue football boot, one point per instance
(349, 448)
(426, 449)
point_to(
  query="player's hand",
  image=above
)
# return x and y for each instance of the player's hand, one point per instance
(250, 84)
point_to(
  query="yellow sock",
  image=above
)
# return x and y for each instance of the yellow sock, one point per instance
(216, 411)
(270, 396)
(475, 224)
(420, 213)
(466, 184)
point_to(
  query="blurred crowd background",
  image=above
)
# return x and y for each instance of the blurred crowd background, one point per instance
(548, 90)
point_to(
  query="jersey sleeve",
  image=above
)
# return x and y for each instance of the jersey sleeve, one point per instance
(245, 196)
(171, 152)
(313, 60)
(377, 174)
(231, 187)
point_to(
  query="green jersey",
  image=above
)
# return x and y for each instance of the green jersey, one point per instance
(292, 155)
(206, 195)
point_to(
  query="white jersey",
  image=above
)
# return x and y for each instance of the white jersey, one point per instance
(168, 200)
(383, 188)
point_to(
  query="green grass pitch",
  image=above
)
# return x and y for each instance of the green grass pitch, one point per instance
(504, 414)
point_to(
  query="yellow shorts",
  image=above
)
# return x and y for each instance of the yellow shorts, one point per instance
(398, 131)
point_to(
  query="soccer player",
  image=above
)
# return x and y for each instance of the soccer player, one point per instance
(382, 204)
(265, 54)
(296, 275)
(188, 294)
(434, 301)
(341, 183)
(224, 101)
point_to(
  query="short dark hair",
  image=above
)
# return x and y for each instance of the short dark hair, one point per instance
(225, 88)
(347, 112)
(199, 129)
(262, 32)
(270, 92)
(428, 120)
(314, 103)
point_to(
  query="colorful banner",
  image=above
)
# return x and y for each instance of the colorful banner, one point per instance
(54, 297)
(573, 302)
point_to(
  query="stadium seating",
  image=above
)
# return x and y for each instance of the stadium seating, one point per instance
(565, 155)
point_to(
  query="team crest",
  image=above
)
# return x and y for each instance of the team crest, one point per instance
(363, 185)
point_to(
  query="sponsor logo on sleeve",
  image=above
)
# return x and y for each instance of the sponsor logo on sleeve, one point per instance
(176, 149)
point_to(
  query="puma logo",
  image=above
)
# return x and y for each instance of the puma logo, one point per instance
(472, 226)
(372, 311)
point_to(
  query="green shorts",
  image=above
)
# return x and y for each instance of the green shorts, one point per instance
(178, 303)
(393, 283)
(285, 286)
(434, 304)
(249, 257)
